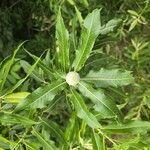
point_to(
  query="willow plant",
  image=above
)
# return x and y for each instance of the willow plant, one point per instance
(66, 79)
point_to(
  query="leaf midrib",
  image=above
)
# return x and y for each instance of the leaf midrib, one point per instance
(79, 60)
(85, 112)
(45, 94)
(99, 99)
(104, 79)
(51, 127)
(125, 127)
(39, 136)
(64, 62)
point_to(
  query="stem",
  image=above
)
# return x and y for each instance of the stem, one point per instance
(104, 135)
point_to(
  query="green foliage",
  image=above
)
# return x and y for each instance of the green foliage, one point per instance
(10, 119)
(90, 31)
(82, 110)
(132, 126)
(6, 67)
(98, 142)
(63, 42)
(40, 97)
(103, 106)
(15, 97)
(105, 78)
(47, 145)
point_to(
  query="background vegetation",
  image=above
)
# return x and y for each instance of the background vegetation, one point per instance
(125, 46)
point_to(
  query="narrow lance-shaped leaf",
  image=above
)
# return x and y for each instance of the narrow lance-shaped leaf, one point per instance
(82, 110)
(11, 119)
(15, 97)
(41, 96)
(79, 16)
(110, 25)
(7, 66)
(135, 126)
(47, 145)
(105, 78)
(72, 128)
(98, 141)
(54, 129)
(6, 143)
(26, 66)
(106, 107)
(90, 31)
(42, 65)
(62, 36)
(31, 69)
(31, 145)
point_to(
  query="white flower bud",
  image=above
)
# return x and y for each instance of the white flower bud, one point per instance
(72, 78)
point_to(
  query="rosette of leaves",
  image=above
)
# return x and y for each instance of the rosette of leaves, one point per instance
(65, 79)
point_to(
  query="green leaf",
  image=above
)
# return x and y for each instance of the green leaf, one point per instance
(10, 119)
(62, 36)
(133, 24)
(41, 96)
(105, 78)
(132, 142)
(72, 128)
(135, 126)
(47, 145)
(103, 105)
(98, 141)
(54, 129)
(82, 110)
(6, 142)
(146, 97)
(31, 69)
(15, 97)
(31, 145)
(90, 31)
(7, 66)
(132, 12)
(26, 67)
(42, 65)
(109, 27)
(79, 16)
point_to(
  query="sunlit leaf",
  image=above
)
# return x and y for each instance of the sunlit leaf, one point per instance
(15, 97)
